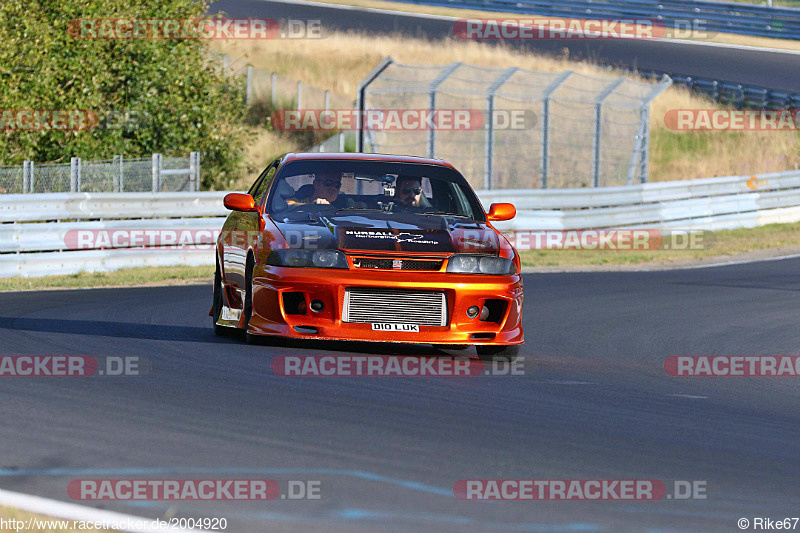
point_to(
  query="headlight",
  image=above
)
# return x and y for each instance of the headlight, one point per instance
(480, 264)
(307, 258)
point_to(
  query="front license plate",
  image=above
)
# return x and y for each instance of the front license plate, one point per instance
(385, 326)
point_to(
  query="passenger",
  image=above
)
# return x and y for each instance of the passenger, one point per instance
(408, 191)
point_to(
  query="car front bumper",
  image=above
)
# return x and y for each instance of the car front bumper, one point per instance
(272, 315)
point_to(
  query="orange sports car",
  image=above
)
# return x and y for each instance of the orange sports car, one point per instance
(368, 247)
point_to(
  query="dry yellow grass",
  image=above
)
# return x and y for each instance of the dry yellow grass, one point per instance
(339, 62)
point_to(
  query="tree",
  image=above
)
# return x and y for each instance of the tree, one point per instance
(148, 94)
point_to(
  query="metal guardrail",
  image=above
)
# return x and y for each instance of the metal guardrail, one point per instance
(33, 243)
(726, 17)
(731, 93)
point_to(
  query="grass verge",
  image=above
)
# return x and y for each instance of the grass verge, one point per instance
(751, 243)
(128, 277)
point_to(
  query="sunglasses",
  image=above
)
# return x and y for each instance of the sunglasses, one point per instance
(409, 190)
(332, 183)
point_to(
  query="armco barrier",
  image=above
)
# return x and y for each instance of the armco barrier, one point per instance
(33, 238)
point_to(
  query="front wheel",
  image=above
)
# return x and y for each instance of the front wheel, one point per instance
(504, 353)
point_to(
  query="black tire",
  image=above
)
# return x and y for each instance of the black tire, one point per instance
(217, 306)
(504, 353)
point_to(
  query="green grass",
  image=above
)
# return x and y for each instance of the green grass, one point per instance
(125, 277)
(726, 244)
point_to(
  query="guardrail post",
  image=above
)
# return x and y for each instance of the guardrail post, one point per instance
(546, 94)
(248, 90)
(361, 101)
(432, 102)
(274, 89)
(598, 129)
(75, 174)
(156, 168)
(489, 125)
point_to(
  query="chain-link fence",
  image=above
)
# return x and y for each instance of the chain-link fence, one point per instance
(537, 129)
(154, 174)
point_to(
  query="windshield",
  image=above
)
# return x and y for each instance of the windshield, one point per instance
(322, 185)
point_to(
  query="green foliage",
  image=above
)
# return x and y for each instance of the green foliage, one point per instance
(151, 95)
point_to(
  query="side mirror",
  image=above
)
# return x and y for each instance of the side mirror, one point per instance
(499, 212)
(237, 201)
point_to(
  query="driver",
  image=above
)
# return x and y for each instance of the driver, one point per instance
(408, 191)
(323, 190)
(326, 189)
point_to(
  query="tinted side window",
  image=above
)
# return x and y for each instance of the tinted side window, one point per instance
(261, 185)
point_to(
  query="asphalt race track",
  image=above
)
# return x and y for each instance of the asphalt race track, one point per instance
(594, 403)
(779, 71)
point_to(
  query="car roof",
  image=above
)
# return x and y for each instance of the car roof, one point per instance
(310, 156)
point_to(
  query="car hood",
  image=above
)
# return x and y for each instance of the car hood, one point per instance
(378, 231)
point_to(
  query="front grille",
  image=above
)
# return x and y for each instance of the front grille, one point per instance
(397, 264)
(397, 306)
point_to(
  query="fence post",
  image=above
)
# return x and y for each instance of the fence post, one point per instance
(75, 174)
(361, 100)
(30, 177)
(489, 125)
(115, 161)
(156, 172)
(194, 166)
(25, 176)
(274, 88)
(432, 102)
(121, 173)
(224, 64)
(548, 92)
(341, 141)
(299, 95)
(598, 129)
(327, 100)
(248, 90)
